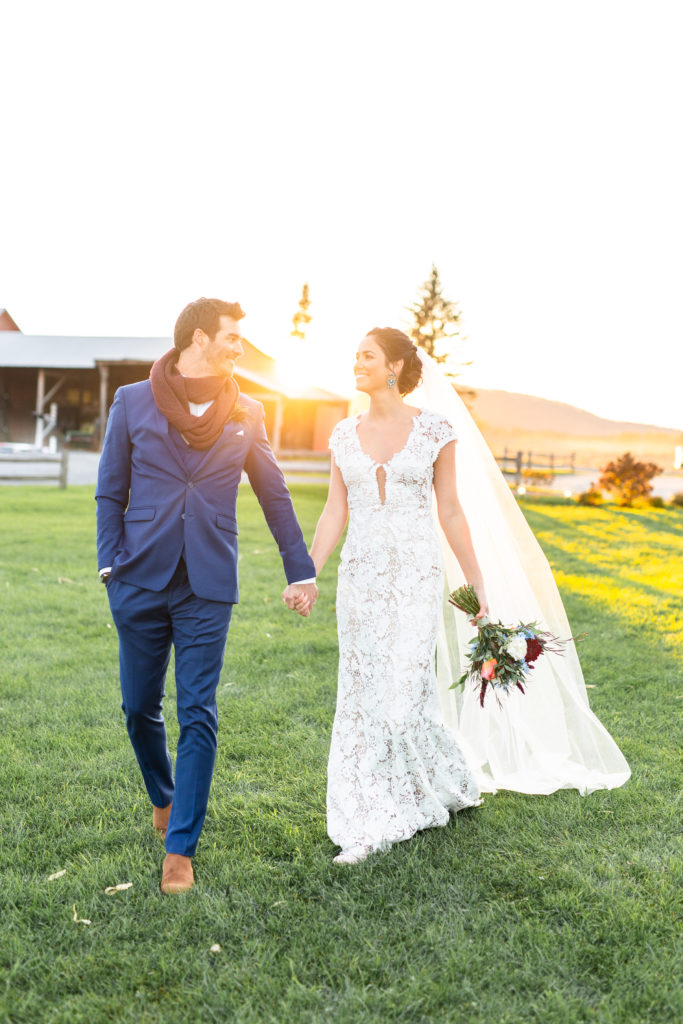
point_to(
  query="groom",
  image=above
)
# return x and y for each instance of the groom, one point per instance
(173, 456)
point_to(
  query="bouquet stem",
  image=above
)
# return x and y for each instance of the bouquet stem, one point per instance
(466, 600)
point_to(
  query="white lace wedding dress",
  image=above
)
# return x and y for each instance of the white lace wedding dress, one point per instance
(394, 765)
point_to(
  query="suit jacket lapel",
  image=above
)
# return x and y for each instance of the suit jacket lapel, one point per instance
(162, 426)
(228, 440)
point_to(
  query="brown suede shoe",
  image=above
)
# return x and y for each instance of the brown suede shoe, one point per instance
(160, 816)
(176, 875)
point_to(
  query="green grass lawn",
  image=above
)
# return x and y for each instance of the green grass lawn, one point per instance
(560, 908)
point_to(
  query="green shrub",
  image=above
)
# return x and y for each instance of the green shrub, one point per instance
(590, 497)
(628, 479)
(656, 502)
(677, 499)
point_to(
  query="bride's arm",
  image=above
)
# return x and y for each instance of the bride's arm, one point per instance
(454, 524)
(332, 520)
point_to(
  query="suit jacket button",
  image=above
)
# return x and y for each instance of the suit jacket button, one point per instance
(190, 484)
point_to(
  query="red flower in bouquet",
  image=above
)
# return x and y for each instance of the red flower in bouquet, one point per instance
(488, 674)
(488, 669)
(534, 648)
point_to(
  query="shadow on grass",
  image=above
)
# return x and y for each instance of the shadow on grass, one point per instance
(664, 521)
(575, 565)
(585, 560)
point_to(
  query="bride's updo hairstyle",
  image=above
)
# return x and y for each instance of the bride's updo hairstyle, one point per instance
(396, 345)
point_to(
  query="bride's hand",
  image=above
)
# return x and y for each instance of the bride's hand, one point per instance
(483, 604)
(300, 597)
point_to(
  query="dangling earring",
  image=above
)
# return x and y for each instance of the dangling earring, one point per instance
(391, 380)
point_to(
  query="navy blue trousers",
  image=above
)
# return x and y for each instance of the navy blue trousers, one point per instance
(148, 624)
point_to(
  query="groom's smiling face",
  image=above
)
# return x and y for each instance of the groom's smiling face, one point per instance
(224, 348)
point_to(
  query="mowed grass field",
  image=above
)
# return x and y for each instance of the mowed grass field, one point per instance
(548, 909)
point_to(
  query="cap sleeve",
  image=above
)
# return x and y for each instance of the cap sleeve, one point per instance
(443, 432)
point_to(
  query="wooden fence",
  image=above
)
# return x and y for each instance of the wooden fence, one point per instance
(538, 466)
(33, 458)
(305, 467)
(530, 467)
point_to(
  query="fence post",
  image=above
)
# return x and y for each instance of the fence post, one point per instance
(63, 472)
(518, 478)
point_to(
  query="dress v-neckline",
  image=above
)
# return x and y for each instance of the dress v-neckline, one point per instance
(383, 465)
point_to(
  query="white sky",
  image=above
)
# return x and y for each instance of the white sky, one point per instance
(151, 152)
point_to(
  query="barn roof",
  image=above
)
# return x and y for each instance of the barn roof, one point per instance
(52, 352)
(55, 352)
(7, 322)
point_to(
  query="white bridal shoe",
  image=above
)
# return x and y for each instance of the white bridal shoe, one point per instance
(350, 858)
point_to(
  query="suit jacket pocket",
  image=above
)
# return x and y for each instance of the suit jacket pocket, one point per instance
(139, 515)
(226, 523)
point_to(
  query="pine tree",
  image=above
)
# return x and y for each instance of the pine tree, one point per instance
(435, 318)
(302, 317)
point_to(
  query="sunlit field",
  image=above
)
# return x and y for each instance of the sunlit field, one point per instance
(543, 909)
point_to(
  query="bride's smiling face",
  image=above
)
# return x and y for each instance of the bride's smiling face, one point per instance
(370, 368)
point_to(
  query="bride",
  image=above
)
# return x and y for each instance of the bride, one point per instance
(406, 749)
(394, 766)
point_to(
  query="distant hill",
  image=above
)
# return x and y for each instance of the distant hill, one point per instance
(508, 419)
(505, 410)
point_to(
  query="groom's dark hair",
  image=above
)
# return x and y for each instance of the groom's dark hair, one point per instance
(205, 314)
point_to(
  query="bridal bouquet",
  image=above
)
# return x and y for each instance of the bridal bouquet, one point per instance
(501, 656)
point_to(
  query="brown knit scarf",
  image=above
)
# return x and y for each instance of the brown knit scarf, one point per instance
(172, 393)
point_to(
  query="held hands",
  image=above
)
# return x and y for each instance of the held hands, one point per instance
(300, 597)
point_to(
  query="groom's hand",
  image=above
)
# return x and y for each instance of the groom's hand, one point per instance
(300, 597)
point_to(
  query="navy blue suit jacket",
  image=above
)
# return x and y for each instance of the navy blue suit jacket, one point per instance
(152, 508)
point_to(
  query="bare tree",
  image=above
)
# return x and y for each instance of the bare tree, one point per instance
(302, 317)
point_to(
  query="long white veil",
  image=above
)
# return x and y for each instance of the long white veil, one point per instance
(548, 739)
